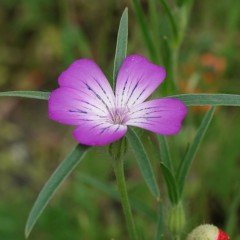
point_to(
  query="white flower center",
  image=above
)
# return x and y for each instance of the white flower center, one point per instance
(119, 115)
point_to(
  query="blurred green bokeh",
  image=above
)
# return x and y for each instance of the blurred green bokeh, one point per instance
(38, 39)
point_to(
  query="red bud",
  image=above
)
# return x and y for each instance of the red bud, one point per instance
(222, 235)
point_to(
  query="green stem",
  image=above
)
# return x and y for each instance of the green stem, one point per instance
(121, 182)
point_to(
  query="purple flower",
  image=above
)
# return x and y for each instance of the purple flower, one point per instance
(85, 99)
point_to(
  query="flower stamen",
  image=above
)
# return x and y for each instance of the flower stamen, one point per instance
(118, 115)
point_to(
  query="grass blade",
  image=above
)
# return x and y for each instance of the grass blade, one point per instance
(121, 47)
(171, 184)
(191, 153)
(113, 193)
(145, 31)
(47, 192)
(203, 99)
(26, 94)
(143, 162)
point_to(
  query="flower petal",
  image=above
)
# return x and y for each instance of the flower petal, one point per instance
(136, 80)
(98, 133)
(85, 76)
(84, 93)
(162, 116)
(68, 106)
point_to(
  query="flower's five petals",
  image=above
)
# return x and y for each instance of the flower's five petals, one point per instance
(136, 80)
(85, 76)
(162, 116)
(86, 100)
(98, 134)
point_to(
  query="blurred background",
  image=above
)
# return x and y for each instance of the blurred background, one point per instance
(38, 39)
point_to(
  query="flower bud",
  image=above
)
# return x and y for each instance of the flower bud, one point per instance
(176, 220)
(118, 149)
(207, 232)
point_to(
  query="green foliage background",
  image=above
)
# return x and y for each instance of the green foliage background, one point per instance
(38, 39)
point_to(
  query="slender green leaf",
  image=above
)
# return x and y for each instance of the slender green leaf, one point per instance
(203, 99)
(143, 162)
(113, 193)
(171, 18)
(145, 31)
(171, 184)
(192, 150)
(164, 151)
(150, 142)
(47, 192)
(121, 47)
(26, 94)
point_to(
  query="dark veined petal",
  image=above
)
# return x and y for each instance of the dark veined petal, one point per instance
(85, 76)
(98, 133)
(69, 106)
(162, 116)
(136, 80)
(84, 93)
(94, 127)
